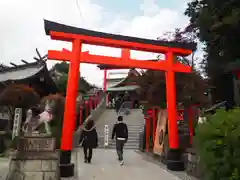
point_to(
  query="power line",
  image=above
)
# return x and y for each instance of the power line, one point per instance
(80, 11)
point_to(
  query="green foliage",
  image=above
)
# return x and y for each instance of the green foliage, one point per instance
(62, 67)
(61, 82)
(218, 144)
(216, 23)
(190, 88)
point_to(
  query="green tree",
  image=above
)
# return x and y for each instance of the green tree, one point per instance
(18, 96)
(61, 81)
(190, 87)
(62, 67)
(216, 23)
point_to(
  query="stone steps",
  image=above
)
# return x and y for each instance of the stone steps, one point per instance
(134, 121)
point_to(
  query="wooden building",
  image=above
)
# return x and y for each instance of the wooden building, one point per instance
(34, 74)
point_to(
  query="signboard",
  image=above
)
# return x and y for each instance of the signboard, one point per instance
(160, 132)
(85, 97)
(36, 144)
(17, 122)
(106, 133)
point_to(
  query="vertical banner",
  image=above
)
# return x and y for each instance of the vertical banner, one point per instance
(17, 122)
(106, 131)
(160, 132)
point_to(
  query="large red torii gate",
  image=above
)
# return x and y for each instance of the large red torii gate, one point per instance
(78, 36)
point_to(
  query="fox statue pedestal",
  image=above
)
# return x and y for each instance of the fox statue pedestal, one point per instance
(36, 158)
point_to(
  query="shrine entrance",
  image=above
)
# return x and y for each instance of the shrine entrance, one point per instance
(79, 36)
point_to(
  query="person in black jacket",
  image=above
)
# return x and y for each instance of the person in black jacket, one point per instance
(89, 140)
(120, 130)
(118, 104)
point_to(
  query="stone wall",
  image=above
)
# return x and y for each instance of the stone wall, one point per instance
(35, 159)
(34, 168)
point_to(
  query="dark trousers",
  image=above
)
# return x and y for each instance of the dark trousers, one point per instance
(119, 148)
(87, 154)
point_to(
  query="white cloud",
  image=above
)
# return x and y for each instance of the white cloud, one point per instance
(149, 7)
(22, 28)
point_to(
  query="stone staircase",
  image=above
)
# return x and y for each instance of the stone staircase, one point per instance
(134, 121)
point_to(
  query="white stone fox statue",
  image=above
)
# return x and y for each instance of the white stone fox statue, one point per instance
(32, 123)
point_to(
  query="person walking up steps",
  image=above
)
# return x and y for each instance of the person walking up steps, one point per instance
(89, 140)
(120, 130)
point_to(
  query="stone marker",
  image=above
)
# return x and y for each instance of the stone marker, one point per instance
(35, 159)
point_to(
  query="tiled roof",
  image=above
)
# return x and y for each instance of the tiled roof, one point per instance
(21, 72)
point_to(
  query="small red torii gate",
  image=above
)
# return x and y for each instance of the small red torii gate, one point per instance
(125, 53)
(78, 36)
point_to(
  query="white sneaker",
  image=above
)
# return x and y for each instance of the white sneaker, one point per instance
(122, 162)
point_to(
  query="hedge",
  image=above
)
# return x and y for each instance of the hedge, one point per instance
(218, 144)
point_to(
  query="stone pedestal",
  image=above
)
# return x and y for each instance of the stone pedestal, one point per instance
(35, 159)
(174, 160)
(193, 163)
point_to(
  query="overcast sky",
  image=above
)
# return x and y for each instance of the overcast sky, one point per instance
(22, 28)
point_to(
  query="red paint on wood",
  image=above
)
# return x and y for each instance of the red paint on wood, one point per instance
(90, 103)
(76, 56)
(154, 123)
(86, 109)
(81, 116)
(69, 120)
(171, 104)
(105, 80)
(147, 133)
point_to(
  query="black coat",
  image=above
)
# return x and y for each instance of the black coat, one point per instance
(120, 130)
(118, 104)
(89, 138)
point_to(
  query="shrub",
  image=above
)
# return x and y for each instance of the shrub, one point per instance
(218, 144)
(58, 110)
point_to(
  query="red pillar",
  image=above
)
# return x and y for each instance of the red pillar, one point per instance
(105, 80)
(86, 109)
(95, 101)
(190, 122)
(171, 104)
(147, 133)
(90, 103)
(71, 96)
(154, 123)
(80, 116)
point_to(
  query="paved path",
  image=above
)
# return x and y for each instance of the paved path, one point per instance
(4, 164)
(106, 167)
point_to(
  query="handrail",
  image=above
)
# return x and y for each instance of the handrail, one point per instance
(94, 115)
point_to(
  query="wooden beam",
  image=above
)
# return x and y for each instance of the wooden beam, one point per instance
(25, 62)
(13, 64)
(127, 63)
(36, 59)
(38, 53)
(45, 57)
(118, 43)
